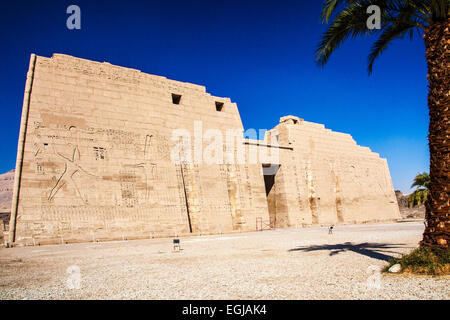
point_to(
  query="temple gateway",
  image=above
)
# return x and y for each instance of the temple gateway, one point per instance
(96, 162)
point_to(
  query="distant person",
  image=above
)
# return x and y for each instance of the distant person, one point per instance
(330, 229)
(425, 222)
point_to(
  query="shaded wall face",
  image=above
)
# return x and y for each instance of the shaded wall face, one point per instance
(98, 163)
(276, 204)
(329, 179)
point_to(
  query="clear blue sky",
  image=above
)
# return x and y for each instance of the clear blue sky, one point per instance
(258, 53)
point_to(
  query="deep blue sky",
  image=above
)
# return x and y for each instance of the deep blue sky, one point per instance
(258, 53)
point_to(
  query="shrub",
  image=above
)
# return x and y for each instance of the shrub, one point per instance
(424, 261)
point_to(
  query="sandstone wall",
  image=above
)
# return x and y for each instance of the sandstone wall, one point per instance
(329, 179)
(98, 162)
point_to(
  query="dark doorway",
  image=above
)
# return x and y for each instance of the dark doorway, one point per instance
(269, 181)
(270, 172)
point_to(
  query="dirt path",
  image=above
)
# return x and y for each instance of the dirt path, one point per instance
(279, 264)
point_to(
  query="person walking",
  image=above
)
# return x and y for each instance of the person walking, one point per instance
(330, 229)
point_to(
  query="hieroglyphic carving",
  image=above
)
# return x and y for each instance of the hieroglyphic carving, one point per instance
(297, 186)
(240, 186)
(147, 146)
(128, 186)
(71, 163)
(162, 147)
(248, 185)
(39, 168)
(99, 153)
(225, 176)
(71, 167)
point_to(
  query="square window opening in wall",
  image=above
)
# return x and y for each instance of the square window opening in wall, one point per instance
(176, 98)
(219, 106)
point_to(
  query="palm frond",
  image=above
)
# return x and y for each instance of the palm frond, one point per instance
(417, 198)
(421, 180)
(329, 7)
(404, 23)
(440, 9)
(422, 10)
(399, 18)
(350, 22)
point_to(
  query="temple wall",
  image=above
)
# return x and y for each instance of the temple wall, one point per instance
(98, 162)
(97, 156)
(332, 179)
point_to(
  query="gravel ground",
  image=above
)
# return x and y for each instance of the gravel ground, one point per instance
(277, 264)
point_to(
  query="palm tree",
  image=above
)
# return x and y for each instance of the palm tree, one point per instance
(421, 182)
(399, 18)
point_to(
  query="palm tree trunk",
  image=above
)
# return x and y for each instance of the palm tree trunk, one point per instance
(437, 43)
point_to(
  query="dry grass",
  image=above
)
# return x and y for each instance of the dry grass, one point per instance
(423, 261)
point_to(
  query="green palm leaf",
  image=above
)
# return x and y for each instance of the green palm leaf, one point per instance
(398, 18)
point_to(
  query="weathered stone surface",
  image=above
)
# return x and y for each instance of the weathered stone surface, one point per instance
(97, 143)
(396, 268)
(6, 186)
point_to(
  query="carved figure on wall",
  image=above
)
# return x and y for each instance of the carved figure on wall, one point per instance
(71, 167)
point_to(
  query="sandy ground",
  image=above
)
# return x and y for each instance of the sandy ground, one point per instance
(277, 264)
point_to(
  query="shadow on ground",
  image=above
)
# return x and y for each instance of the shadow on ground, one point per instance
(380, 251)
